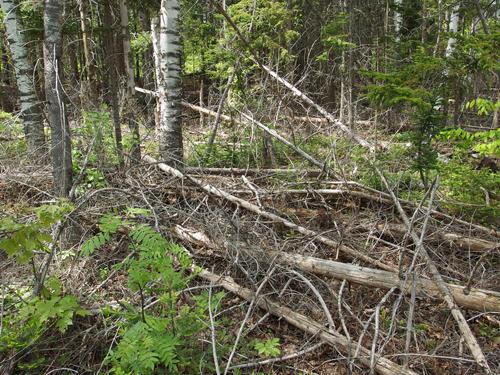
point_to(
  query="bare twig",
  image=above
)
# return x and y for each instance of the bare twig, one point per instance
(212, 331)
(383, 366)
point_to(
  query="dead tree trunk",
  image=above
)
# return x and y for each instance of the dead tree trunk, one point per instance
(60, 132)
(113, 77)
(88, 84)
(135, 154)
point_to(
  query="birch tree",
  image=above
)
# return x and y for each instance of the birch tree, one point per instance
(453, 28)
(155, 40)
(31, 112)
(398, 19)
(170, 131)
(60, 134)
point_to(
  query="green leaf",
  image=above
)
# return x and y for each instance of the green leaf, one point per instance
(268, 348)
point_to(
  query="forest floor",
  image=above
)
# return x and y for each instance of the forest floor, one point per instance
(408, 325)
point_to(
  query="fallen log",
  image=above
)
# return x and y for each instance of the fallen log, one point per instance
(322, 120)
(259, 211)
(253, 171)
(464, 242)
(476, 299)
(382, 366)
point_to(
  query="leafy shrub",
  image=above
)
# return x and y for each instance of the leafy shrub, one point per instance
(483, 106)
(21, 238)
(486, 143)
(163, 337)
(28, 319)
(466, 188)
(268, 348)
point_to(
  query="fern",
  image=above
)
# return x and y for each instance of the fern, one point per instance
(136, 351)
(161, 342)
(145, 347)
(109, 225)
(95, 243)
(166, 346)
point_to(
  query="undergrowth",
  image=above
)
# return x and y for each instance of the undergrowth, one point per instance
(159, 332)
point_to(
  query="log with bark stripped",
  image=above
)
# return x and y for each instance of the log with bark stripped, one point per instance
(383, 366)
(464, 242)
(476, 299)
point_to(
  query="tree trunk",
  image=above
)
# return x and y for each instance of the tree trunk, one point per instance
(113, 78)
(170, 132)
(30, 109)
(453, 29)
(398, 19)
(155, 40)
(60, 133)
(220, 107)
(135, 153)
(88, 85)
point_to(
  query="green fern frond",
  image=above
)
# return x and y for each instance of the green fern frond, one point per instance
(95, 243)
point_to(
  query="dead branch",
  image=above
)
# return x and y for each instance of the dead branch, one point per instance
(467, 243)
(257, 210)
(381, 195)
(377, 195)
(252, 171)
(382, 366)
(444, 289)
(251, 120)
(457, 314)
(322, 120)
(477, 299)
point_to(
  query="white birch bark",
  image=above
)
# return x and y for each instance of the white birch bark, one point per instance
(155, 40)
(398, 20)
(31, 112)
(170, 131)
(453, 28)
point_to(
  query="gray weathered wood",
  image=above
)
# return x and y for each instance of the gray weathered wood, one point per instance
(60, 133)
(382, 366)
